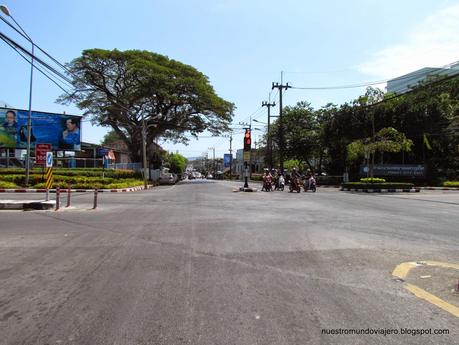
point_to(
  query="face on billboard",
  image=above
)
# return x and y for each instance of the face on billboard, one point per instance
(61, 131)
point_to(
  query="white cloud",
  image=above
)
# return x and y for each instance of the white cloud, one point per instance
(432, 43)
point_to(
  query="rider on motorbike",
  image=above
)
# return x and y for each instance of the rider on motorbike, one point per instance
(267, 180)
(309, 181)
(295, 179)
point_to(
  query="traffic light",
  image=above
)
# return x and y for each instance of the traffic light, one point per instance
(247, 140)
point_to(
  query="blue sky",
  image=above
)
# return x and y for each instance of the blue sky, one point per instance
(242, 46)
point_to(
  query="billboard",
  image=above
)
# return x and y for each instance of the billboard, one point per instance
(398, 170)
(62, 131)
(226, 160)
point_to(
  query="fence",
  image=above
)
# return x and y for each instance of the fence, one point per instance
(126, 166)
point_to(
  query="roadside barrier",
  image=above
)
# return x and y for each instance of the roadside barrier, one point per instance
(96, 191)
(58, 196)
(69, 191)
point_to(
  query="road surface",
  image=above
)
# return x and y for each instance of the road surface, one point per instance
(197, 263)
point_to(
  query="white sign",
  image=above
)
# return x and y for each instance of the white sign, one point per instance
(49, 159)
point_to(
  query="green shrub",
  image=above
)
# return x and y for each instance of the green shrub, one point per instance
(7, 185)
(451, 184)
(382, 185)
(256, 177)
(119, 185)
(372, 180)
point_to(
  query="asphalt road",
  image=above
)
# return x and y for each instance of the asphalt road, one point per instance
(197, 263)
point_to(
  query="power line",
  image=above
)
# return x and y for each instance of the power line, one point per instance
(377, 82)
(38, 68)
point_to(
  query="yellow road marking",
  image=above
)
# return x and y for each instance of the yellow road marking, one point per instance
(402, 270)
(418, 292)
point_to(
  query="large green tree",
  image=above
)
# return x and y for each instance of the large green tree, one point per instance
(302, 129)
(176, 163)
(124, 89)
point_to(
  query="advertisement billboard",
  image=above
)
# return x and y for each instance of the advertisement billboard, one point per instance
(62, 131)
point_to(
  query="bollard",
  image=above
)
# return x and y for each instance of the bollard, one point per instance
(58, 195)
(95, 198)
(68, 195)
(47, 194)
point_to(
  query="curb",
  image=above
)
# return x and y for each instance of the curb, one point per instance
(27, 205)
(121, 190)
(413, 190)
(439, 188)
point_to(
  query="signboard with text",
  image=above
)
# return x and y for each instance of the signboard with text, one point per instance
(40, 153)
(397, 170)
(226, 160)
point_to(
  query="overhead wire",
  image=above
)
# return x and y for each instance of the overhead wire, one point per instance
(410, 76)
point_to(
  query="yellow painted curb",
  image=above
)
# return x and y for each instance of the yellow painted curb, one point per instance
(402, 270)
(421, 293)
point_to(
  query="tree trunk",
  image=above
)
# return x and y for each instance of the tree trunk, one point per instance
(320, 162)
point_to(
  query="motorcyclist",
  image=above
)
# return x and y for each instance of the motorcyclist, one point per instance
(295, 178)
(275, 176)
(309, 179)
(267, 180)
(280, 181)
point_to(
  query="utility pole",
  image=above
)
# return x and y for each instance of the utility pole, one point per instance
(231, 156)
(281, 87)
(144, 152)
(269, 145)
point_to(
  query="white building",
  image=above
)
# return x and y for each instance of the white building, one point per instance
(409, 81)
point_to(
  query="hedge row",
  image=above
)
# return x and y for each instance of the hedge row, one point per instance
(34, 179)
(451, 184)
(7, 185)
(116, 185)
(381, 185)
(372, 180)
(78, 172)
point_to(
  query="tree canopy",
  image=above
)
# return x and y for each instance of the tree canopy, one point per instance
(327, 137)
(121, 89)
(176, 162)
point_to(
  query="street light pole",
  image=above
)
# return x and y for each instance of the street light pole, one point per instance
(7, 12)
(144, 152)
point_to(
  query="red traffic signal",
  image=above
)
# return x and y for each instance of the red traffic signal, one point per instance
(247, 140)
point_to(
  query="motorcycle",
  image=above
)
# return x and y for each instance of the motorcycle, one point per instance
(295, 185)
(267, 184)
(279, 183)
(310, 184)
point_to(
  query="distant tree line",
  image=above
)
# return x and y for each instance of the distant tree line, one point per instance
(418, 127)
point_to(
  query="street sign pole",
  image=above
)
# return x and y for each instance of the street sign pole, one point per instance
(49, 174)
